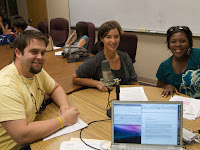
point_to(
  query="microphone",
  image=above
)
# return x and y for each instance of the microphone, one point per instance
(108, 82)
(107, 74)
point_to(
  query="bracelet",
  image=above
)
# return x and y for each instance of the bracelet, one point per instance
(61, 123)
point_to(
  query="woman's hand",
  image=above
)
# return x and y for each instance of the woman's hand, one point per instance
(103, 88)
(169, 90)
(1, 24)
(74, 33)
(70, 40)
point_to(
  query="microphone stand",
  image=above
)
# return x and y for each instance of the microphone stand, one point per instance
(117, 85)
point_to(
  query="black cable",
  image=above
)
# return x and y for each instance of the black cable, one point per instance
(86, 127)
(108, 105)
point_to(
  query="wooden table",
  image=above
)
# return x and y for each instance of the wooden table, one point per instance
(57, 67)
(92, 105)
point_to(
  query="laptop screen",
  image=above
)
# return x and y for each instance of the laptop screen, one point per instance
(149, 122)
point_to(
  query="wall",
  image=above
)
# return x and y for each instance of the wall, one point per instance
(133, 15)
(57, 8)
(151, 51)
(23, 9)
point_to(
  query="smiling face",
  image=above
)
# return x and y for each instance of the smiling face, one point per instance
(32, 61)
(179, 44)
(111, 40)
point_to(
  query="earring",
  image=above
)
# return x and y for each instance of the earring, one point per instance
(189, 50)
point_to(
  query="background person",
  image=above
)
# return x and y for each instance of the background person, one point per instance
(180, 72)
(23, 85)
(4, 26)
(80, 36)
(90, 72)
(20, 25)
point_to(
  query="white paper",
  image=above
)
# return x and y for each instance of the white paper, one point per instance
(132, 94)
(77, 126)
(191, 109)
(76, 144)
(56, 47)
(58, 53)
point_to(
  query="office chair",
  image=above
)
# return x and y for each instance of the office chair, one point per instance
(128, 43)
(43, 27)
(59, 30)
(91, 35)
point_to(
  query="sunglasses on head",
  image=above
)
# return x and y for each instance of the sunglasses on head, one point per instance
(177, 28)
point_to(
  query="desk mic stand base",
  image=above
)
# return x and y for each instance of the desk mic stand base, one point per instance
(109, 112)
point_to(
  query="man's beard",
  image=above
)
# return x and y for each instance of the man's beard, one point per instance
(34, 71)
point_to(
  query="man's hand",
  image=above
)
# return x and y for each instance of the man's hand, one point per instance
(62, 109)
(69, 116)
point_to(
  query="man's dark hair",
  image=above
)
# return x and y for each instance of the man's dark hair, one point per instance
(19, 22)
(24, 38)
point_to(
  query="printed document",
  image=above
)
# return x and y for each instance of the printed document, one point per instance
(132, 94)
(191, 109)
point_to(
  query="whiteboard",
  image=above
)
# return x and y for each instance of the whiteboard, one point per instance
(154, 16)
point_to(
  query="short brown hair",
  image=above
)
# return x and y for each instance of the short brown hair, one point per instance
(24, 38)
(106, 27)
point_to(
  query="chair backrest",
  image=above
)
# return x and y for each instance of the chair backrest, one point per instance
(91, 35)
(128, 43)
(43, 27)
(59, 30)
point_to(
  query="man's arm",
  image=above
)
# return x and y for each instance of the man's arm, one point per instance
(59, 96)
(23, 132)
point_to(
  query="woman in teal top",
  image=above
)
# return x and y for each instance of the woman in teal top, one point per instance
(180, 72)
(81, 34)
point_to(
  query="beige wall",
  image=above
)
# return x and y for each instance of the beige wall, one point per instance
(57, 8)
(23, 9)
(151, 51)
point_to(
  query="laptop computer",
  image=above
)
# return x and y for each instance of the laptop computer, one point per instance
(147, 125)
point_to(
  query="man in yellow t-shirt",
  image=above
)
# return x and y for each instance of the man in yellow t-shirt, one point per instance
(23, 85)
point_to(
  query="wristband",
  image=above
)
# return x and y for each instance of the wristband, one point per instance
(61, 123)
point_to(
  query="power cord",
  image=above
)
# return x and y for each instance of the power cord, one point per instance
(86, 127)
(108, 105)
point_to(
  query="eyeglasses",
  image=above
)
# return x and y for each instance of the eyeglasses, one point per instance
(43, 106)
(44, 103)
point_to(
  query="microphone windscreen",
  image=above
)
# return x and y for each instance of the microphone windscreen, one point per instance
(106, 72)
(105, 65)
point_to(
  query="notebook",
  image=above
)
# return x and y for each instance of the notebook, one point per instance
(147, 125)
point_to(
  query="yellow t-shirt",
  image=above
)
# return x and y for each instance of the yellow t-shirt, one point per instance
(16, 101)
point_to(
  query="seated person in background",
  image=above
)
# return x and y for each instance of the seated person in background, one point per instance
(95, 49)
(90, 72)
(81, 33)
(23, 85)
(180, 72)
(4, 26)
(20, 25)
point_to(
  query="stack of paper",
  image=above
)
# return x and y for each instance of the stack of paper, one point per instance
(191, 109)
(132, 94)
(76, 144)
(77, 126)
